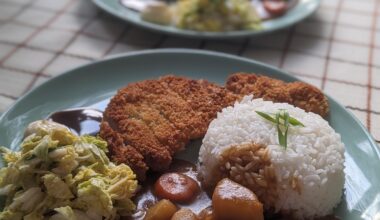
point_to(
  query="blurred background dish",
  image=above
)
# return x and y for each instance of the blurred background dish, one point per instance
(203, 19)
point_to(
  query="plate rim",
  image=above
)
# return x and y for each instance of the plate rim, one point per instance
(72, 71)
(205, 35)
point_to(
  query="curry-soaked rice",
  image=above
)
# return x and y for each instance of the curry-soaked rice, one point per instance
(305, 179)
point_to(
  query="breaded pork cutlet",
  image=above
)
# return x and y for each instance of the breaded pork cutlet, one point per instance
(299, 94)
(147, 122)
(206, 98)
(173, 107)
(122, 120)
(119, 148)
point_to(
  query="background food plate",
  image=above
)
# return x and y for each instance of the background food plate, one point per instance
(303, 9)
(93, 84)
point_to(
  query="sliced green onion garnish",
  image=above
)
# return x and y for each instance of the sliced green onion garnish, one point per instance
(282, 120)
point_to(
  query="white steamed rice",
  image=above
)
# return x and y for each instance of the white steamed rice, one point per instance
(315, 155)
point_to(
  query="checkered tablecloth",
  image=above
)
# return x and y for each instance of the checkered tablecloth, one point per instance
(337, 49)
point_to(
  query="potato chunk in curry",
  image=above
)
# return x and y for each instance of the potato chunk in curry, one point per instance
(184, 214)
(163, 210)
(231, 200)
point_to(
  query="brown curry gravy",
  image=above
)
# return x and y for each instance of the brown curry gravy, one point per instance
(146, 198)
(86, 121)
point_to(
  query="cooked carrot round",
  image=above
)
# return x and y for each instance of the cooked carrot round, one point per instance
(275, 7)
(176, 187)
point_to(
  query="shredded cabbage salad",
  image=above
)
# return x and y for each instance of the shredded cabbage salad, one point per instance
(58, 175)
(216, 15)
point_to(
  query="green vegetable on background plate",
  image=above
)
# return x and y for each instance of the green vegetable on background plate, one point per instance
(217, 15)
(58, 175)
(202, 15)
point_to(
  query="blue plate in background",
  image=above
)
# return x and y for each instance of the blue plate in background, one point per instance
(303, 9)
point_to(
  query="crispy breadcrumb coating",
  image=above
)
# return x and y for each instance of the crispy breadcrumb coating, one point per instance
(299, 94)
(206, 98)
(121, 152)
(147, 122)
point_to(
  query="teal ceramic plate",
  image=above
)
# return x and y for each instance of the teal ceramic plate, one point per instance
(93, 84)
(303, 9)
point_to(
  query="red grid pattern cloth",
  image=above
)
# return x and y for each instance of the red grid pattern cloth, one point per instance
(337, 49)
